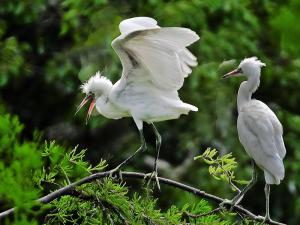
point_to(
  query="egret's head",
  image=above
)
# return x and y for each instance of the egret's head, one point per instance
(94, 88)
(249, 67)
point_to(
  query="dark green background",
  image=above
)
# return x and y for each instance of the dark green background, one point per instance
(48, 48)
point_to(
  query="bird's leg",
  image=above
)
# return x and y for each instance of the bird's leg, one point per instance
(142, 148)
(267, 217)
(158, 144)
(267, 193)
(236, 199)
(253, 180)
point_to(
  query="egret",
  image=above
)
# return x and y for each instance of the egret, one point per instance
(259, 130)
(155, 63)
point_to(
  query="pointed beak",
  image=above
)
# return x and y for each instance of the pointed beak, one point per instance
(84, 101)
(232, 73)
(92, 105)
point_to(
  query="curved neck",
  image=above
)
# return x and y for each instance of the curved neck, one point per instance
(247, 88)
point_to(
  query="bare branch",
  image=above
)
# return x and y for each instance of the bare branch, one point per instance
(70, 190)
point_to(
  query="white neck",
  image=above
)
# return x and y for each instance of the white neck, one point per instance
(108, 109)
(247, 88)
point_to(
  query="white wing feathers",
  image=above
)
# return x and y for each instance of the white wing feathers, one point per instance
(280, 145)
(137, 23)
(161, 52)
(187, 60)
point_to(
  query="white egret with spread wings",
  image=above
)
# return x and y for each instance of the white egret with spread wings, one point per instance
(259, 130)
(155, 63)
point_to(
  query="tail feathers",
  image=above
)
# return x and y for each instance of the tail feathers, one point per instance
(270, 179)
(276, 174)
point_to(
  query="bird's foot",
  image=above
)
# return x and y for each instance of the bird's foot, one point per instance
(151, 176)
(232, 203)
(116, 173)
(267, 220)
(226, 202)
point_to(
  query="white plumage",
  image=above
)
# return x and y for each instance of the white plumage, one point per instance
(259, 130)
(155, 63)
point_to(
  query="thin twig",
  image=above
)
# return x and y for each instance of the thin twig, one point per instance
(66, 176)
(229, 178)
(69, 189)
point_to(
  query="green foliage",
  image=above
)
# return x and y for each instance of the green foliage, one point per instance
(23, 11)
(48, 48)
(202, 208)
(69, 165)
(34, 169)
(17, 188)
(11, 59)
(221, 167)
(285, 24)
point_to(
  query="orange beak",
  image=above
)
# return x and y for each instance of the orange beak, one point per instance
(232, 73)
(92, 105)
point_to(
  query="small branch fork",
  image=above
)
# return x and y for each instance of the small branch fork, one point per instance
(70, 190)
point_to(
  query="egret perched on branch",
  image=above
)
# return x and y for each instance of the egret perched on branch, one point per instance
(259, 130)
(155, 63)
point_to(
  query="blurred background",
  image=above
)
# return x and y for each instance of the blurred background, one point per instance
(48, 48)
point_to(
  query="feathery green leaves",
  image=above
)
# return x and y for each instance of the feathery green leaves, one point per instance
(221, 167)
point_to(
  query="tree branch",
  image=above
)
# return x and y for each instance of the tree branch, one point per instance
(69, 190)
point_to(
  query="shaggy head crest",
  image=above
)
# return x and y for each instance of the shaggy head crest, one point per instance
(251, 66)
(96, 85)
(252, 61)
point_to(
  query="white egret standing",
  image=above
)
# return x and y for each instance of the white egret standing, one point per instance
(155, 62)
(259, 130)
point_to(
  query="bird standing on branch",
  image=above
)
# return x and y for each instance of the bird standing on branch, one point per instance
(155, 63)
(259, 130)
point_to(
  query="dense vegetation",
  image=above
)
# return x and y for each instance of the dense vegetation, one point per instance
(47, 48)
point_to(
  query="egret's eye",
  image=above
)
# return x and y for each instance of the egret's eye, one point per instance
(240, 70)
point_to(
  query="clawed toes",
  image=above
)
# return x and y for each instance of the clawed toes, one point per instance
(150, 176)
(227, 202)
(267, 220)
(116, 173)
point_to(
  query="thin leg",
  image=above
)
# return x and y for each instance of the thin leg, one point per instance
(267, 193)
(240, 195)
(142, 148)
(267, 217)
(158, 144)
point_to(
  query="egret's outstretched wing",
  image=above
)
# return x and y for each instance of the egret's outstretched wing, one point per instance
(261, 134)
(160, 52)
